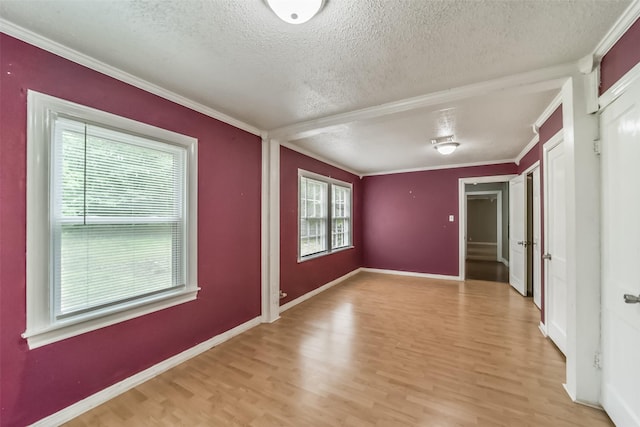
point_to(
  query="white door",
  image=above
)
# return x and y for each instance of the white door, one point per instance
(555, 243)
(537, 255)
(517, 236)
(620, 126)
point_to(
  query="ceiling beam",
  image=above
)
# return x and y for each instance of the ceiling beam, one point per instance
(529, 82)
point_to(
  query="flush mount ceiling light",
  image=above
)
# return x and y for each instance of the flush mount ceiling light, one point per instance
(445, 145)
(295, 11)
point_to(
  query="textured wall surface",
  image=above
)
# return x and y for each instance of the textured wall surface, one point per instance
(36, 383)
(406, 219)
(298, 278)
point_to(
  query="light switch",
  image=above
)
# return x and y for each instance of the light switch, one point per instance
(451, 219)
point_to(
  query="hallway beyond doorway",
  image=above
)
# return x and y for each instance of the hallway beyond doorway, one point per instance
(492, 271)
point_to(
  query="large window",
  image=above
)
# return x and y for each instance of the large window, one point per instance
(324, 215)
(111, 219)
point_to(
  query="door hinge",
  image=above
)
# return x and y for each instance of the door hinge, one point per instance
(597, 360)
(596, 146)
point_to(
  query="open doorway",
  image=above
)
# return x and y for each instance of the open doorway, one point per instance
(487, 230)
(474, 182)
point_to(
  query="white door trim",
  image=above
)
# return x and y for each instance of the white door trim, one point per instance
(550, 144)
(462, 214)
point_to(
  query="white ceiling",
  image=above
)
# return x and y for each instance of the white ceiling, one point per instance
(236, 57)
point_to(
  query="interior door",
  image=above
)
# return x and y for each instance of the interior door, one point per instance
(537, 255)
(517, 235)
(555, 244)
(620, 127)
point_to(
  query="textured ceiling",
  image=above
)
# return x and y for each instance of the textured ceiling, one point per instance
(488, 128)
(235, 56)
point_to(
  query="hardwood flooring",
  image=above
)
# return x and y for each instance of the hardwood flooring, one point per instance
(376, 350)
(492, 271)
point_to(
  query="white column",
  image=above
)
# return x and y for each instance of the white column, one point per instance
(270, 247)
(583, 241)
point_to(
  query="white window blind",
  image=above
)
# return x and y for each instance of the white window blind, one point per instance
(313, 216)
(341, 216)
(324, 214)
(117, 217)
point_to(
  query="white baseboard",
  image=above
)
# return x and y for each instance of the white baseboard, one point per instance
(543, 329)
(110, 392)
(412, 274)
(505, 262)
(316, 291)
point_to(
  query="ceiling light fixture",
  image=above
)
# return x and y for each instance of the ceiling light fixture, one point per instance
(295, 11)
(445, 145)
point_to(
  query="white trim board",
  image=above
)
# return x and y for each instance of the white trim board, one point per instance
(626, 20)
(318, 290)
(42, 42)
(319, 158)
(543, 329)
(553, 106)
(433, 168)
(619, 87)
(527, 148)
(411, 274)
(114, 390)
(535, 80)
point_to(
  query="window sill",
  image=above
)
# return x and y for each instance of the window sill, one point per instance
(92, 321)
(322, 254)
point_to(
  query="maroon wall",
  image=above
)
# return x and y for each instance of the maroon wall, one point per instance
(622, 57)
(298, 278)
(406, 219)
(36, 383)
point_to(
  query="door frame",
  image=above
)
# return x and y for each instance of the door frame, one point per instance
(498, 195)
(538, 208)
(462, 213)
(553, 142)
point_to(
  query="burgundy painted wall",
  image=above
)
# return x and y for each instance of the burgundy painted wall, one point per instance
(622, 57)
(298, 278)
(36, 383)
(406, 218)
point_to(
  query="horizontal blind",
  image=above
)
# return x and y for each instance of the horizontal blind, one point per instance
(340, 216)
(313, 216)
(118, 217)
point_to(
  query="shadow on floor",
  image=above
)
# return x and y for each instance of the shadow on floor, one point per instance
(491, 271)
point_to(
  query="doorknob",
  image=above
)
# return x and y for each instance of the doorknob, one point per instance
(521, 242)
(546, 256)
(631, 299)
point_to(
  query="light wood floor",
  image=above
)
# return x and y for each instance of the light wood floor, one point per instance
(377, 350)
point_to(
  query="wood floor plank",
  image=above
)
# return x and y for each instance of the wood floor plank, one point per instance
(377, 350)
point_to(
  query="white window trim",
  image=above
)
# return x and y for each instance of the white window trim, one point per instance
(41, 328)
(329, 181)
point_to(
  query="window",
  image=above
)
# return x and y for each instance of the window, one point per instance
(111, 230)
(325, 215)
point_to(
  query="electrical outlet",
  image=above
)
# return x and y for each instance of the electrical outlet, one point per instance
(451, 218)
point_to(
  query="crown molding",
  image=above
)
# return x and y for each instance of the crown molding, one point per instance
(320, 158)
(527, 148)
(433, 168)
(553, 105)
(532, 81)
(624, 22)
(56, 48)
